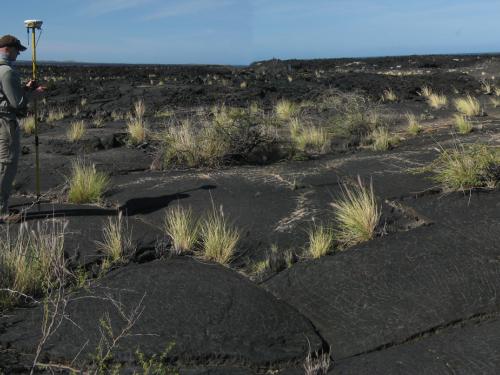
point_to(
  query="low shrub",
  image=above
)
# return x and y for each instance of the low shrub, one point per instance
(354, 115)
(193, 146)
(223, 140)
(86, 184)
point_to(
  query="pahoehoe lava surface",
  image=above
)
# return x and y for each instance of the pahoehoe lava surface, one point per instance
(419, 298)
(213, 315)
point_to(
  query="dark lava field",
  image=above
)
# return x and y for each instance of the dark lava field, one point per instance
(420, 297)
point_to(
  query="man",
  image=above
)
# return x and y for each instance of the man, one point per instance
(13, 104)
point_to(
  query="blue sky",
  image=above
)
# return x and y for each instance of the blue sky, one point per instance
(242, 31)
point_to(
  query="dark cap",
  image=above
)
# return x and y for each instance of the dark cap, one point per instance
(11, 41)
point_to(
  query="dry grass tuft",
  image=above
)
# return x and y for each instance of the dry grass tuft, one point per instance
(136, 124)
(182, 228)
(437, 101)
(28, 125)
(308, 138)
(319, 364)
(357, 214)
(76, 131)
(413, 125)
(55, 115)
(224, 116)
(381, 139)
(389, 95)
(116, 116)
(218, 238)
(285, 109)
(425, 91)
(462, 124)
(320, 241)
(487, 87)
(254, 109)
(117, 243)
(30, 260)
(86, 184)
(98, 122)
(464, 168)
(276, 260)
(468, 106)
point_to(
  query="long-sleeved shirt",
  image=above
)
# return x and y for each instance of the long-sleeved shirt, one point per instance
(13, 100)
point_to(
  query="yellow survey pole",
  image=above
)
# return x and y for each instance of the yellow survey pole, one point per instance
(33, 25)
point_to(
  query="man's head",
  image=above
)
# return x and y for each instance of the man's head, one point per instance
(10, 47)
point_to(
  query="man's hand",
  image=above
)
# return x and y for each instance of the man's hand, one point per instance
(33, 85)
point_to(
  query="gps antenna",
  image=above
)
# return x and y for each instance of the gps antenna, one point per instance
(33, 26)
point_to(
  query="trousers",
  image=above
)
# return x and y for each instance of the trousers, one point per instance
(9, 158)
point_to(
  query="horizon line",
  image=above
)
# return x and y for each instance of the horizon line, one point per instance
(74, 62)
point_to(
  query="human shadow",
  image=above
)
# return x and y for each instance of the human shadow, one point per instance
(134, 206)
(148, 205)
